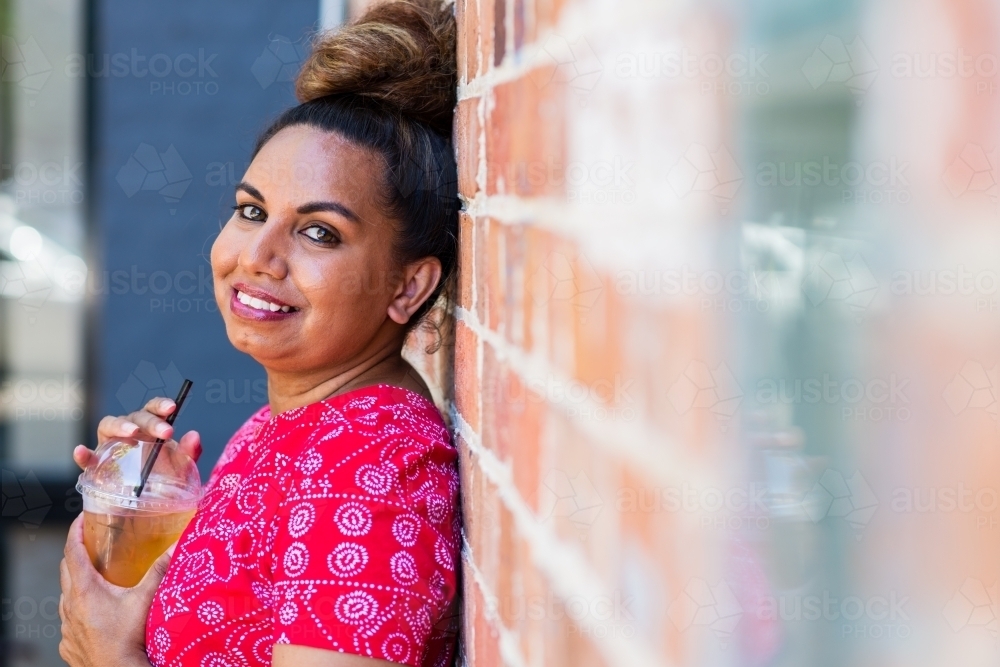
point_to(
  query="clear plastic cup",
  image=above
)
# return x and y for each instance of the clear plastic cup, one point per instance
(125, 534)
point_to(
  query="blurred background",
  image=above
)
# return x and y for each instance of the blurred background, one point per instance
(123, 129)
(785, 252)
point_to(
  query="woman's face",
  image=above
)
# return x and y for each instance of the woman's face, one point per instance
(304, 271)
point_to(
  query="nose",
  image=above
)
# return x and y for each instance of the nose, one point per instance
(266, 250)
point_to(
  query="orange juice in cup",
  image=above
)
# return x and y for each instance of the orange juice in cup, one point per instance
(125, 533)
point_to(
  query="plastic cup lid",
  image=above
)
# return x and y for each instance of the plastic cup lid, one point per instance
(174, 483)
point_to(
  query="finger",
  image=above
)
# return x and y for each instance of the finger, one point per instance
(160, 406)
(77, 559)
(190, 444)
(65, 580)
(152, 424)
(151, 580)
(62, 608)
(115, 427)
(82, 456)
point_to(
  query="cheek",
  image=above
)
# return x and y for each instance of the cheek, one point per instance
(225, 253)
(354, 285)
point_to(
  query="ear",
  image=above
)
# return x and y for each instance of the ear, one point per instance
(420, 278)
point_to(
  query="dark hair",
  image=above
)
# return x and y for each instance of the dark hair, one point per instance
(387, 82)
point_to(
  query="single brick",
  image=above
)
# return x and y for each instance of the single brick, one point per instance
(467, 381)
(525, 137)
(467, 145)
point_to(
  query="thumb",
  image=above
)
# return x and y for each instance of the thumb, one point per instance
(151, 580)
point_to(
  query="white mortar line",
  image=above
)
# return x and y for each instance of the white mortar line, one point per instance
(564, 565)
(587, 225)
(549, 212)
(510, 649)
(532, 56)
(639, 444)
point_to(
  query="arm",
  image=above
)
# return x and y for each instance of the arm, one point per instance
(290, 655)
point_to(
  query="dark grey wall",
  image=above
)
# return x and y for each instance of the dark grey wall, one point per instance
(180, 90)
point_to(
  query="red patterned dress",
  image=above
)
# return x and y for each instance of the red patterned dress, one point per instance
(334, 525)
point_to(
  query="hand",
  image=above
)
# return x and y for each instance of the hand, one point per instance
(103, 624)
(146, 424)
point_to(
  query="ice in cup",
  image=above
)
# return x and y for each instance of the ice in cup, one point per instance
(125, 534)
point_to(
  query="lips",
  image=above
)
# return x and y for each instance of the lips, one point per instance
(260, 304)
(252, 304)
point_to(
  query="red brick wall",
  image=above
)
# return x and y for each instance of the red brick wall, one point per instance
(554, 411)
(580, 395)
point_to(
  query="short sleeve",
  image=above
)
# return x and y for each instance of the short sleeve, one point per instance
(365, 545)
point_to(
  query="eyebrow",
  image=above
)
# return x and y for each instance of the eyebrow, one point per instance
(305, 209)
(332, 206)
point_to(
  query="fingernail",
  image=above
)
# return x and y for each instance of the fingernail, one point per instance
(166, 403)
(130, 427)
(170, 549)
(162, 429)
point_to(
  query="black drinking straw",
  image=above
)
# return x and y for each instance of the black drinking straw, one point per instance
(151, 459)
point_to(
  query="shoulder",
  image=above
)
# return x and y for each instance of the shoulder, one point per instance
(382, 446)
(243, 435)
(377, 470)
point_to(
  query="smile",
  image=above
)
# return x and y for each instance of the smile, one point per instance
(259, 304)
(260, 310)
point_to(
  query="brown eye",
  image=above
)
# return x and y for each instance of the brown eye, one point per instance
(320, 234)
(251, 212)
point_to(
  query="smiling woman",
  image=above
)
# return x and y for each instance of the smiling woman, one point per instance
(328, 533)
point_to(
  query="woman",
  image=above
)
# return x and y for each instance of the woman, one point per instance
(329, 533)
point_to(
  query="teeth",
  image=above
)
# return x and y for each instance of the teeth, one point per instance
(260, 304)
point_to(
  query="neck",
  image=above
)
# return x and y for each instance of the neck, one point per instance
(286, 391)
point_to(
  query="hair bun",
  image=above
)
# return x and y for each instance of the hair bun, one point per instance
(401, 53)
